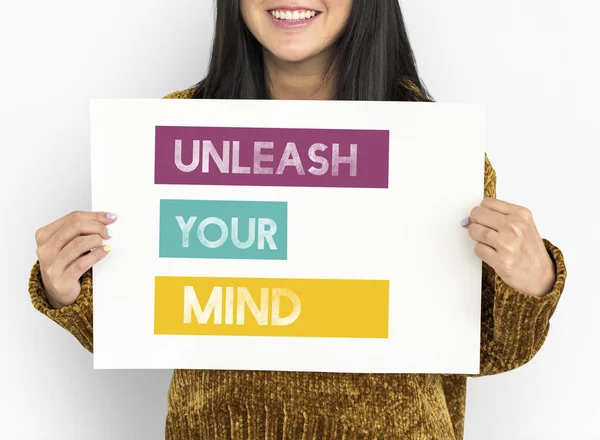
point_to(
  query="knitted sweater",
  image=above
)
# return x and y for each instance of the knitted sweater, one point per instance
(209, 404)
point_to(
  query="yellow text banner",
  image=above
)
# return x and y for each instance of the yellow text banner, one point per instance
(271, 307)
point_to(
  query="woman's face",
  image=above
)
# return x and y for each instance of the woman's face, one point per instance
(295, 30)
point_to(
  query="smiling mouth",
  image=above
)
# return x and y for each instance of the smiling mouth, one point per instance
(293, 16)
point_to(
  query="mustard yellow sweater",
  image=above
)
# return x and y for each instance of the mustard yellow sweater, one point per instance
(292, 405)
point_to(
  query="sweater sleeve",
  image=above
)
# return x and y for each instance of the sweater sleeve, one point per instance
(76, 318)
(514, 325)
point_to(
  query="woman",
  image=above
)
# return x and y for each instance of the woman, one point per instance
(324, 49)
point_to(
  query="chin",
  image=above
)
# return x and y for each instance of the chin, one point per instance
(291, 58)
(293, 54)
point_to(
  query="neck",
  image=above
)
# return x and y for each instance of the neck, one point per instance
(298, 80)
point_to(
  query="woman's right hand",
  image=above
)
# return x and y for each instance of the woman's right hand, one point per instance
(67, 248)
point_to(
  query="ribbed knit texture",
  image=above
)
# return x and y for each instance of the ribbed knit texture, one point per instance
(207, 404)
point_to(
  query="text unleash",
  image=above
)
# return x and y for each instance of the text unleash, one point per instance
(272, 157)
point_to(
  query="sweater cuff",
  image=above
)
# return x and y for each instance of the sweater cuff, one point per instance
(521, 321)
(77, 318)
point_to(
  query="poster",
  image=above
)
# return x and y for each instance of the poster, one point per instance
(287, 235)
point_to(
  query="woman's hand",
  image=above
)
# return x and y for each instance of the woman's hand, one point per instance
(508, 240)
(67, 248)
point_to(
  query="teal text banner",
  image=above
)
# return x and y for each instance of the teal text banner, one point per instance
(224, 229)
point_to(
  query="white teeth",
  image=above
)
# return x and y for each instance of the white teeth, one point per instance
(296, 15)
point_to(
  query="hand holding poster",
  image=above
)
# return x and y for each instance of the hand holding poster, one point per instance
(276, 235)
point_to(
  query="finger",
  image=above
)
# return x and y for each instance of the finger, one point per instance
(76, 248)
(484, 235)
(489, 218)
(78, 226)
(499, 205)
(83, 263)
(486, 254)
(43, 234)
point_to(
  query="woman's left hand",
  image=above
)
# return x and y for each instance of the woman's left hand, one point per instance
(508, 240)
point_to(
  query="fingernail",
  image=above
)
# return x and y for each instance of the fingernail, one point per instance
(108, 232)
(465, 221)
(106, 248)
(111, 216)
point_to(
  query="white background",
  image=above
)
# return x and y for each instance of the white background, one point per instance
(532, 63)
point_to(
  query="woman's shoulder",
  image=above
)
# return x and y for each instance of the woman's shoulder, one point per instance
(180, 94)
(415, 93)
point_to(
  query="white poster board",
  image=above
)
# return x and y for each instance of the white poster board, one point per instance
(288, 235)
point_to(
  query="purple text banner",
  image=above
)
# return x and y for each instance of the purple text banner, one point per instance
(272, 157)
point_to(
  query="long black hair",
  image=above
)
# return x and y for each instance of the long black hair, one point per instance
(372, 57)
